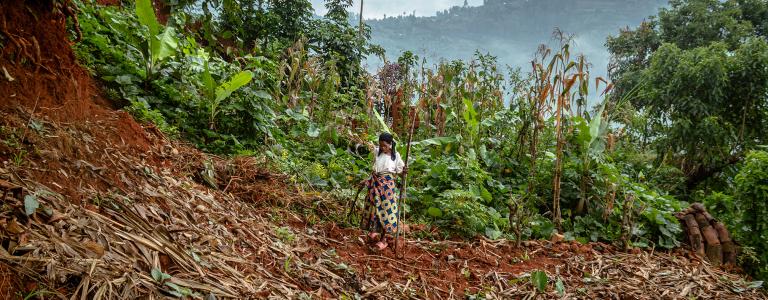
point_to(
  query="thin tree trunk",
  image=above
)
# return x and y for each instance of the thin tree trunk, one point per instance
(361, 18)
(743, 125)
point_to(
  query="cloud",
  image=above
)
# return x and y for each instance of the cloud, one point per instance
(377, 9)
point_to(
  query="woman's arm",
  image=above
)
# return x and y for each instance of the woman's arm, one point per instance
(399, 164)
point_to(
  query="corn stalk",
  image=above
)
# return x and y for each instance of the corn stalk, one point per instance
(568, 74)
(561, 93)
(537, 98)
(551, 95)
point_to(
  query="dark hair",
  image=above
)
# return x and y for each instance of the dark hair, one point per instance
(386, 137)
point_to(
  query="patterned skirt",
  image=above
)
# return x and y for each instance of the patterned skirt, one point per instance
(382, 199)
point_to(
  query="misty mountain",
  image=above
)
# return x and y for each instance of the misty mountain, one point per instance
(510, 29)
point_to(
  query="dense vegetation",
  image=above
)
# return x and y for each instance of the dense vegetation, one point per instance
(702, 70)
(515, 154)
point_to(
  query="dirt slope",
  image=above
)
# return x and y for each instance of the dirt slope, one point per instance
(39, 70)
(125, 213)
(256, 237)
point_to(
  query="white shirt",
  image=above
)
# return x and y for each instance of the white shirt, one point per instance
(384, 163)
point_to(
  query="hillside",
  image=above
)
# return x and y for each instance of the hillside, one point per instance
(510, 29)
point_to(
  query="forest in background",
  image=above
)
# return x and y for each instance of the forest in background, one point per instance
(506, 154)
(509, 30)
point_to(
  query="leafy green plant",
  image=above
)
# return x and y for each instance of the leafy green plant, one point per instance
(473, 122)
(591, 140)
(35, 294)
(31, 204)
(216, 93)
(159, 275)
(142, 112)
(285, 235)
(173, 289)
(19, 157)
(540, 280)
(752, 205)
(158, 45)
(560, 287)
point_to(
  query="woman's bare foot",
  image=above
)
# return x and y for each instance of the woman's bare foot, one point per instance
(381, 245)
(373, 235)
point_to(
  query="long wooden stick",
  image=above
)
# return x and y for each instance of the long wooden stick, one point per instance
(353, 207)
(403, 191)
(365, 219)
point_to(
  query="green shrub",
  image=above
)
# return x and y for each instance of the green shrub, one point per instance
(722, 206)
(141, 111)
(752, 205)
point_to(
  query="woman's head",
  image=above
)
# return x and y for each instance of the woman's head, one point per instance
(387, 144)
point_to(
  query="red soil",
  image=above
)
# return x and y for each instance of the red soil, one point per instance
(39, 58)
(44, 83)
(8, 283)
(453, 267)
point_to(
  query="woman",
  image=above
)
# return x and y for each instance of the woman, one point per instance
(382, 193)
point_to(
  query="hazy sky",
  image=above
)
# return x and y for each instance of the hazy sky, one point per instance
(378, 8)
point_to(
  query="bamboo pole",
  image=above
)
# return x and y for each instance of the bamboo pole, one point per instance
(404, 191)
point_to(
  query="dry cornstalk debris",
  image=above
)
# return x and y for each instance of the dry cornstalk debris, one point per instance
(146, 230)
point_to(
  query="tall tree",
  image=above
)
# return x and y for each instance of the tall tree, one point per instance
(263, 20)
(336, 39)
(293, 17)
(700, 72)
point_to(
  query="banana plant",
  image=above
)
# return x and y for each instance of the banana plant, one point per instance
(382, 123)
(216, 93)
(159, 46)
(591, 140)
(593, 133)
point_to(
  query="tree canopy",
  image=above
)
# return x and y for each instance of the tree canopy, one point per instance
(700, 71)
